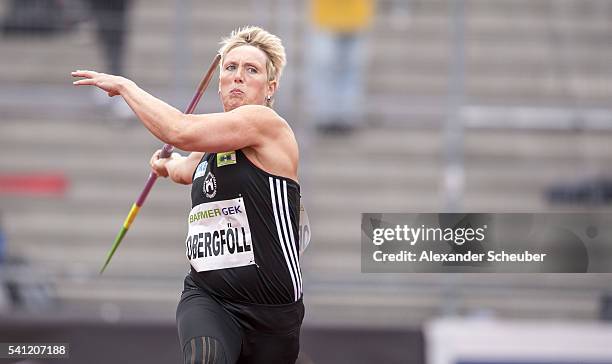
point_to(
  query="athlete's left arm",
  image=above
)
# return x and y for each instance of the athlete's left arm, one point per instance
(245, 126)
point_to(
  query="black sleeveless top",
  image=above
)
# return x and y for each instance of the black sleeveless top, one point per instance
(228, 186)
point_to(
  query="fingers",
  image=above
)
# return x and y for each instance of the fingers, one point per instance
(159, 168)
(157, 155)
(154, 157)
(158, 165)
(88, 77)
(84, 73)
(84, 82)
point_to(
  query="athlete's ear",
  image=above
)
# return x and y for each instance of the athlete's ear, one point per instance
(272, 85)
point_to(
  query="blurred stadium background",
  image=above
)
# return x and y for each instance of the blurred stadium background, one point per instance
(475, 105)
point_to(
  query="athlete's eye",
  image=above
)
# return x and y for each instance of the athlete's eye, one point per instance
(230, 67)
(252, 70)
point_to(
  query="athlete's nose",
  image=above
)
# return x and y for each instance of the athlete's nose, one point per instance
(238, 75)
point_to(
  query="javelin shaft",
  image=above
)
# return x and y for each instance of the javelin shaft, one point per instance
(165, 153)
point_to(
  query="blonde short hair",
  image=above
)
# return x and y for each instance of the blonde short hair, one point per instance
(259, 38)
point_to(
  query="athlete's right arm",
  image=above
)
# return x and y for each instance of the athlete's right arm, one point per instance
(179, 168)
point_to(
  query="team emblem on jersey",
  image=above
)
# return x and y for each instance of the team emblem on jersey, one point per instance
(226, 158)
(210, 185)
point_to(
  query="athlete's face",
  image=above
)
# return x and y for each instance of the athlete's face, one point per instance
(244, 79)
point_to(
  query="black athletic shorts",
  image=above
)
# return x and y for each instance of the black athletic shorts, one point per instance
(245, 332)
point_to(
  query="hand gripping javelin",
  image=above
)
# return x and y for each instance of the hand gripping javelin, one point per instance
(165, 153)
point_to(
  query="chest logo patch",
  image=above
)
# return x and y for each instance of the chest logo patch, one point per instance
(210, 185)
(226, 158)
(200, 170)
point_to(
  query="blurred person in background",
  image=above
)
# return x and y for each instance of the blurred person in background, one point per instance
(8, 284)
(242, 299)
(336, 61)
(111, 18)
(38, 17)
(2, 242)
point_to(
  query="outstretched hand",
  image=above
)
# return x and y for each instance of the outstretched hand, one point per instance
(109, 83)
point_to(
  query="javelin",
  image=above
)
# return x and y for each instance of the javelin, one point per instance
(165, 153)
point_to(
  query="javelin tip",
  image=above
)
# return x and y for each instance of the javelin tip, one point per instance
(110, 254)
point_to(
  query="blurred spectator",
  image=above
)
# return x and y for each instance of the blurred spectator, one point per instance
(594, 191)
(335, 63)
(606, 307)
(2, 242)
(6, 296)
(39, 17)
(111, 17)
(111, 20)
